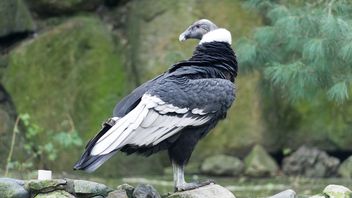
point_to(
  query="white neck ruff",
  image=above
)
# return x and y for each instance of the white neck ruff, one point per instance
(220, 35)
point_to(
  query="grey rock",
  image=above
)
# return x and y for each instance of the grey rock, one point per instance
(55, 194)
(345, 169)
(222, 165)
(259, 163)
(145, 191)
(310, 162)
(337, 191)
(117, 194)
(209, 191)
(89, 188)
(44, 186)
(127, 188)
(12, 188)
(285, 194)
(6, 179)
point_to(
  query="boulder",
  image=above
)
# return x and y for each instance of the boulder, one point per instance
(49, 7)
(127, 188)
(310, 162)
(285, 194)
(145, 191)
(90, 189)
(345, 169)
(44, 186)
(117, 194)
(55, 194)
(259, 163)
(222, 165)
(12, 188)
(80, 61)
(14, 18)
(337, 191)
(209, 191)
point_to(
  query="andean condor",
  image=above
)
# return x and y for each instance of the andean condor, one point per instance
(174, 110)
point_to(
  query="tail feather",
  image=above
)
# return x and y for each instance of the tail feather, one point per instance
(88, 162)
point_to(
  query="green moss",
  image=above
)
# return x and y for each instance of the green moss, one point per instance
(70, 73)
(14, 17)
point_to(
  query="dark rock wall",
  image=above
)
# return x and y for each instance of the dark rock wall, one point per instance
(68, 60)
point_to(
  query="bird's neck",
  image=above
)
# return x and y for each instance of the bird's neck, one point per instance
(214, 58)
(219, 35)
(217, 55)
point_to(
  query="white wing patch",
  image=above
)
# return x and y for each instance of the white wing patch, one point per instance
(148, 124)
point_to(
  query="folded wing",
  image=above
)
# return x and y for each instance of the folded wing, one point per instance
(148, 124)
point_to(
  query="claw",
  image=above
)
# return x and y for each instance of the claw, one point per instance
(193, 185)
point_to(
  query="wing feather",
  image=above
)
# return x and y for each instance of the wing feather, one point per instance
(149, 123)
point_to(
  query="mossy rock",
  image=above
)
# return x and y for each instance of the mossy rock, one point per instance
(337, 191)
(345, 169)
(12, 188)
(222, 165)
(14, 18)
(55, 194)
(259, 163)
(44, 186)
(59, 7)
(69, 74)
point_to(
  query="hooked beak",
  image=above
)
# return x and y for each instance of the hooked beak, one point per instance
(183, 36)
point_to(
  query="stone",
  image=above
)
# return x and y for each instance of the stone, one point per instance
(337, 191)
(145, 191)
(127, 188)
(345, 169)
(310, 162)
(222, 165)
(14, 18)
(89, 188)
(209, 191)
(259, 163)
(285, 194)
(44, 186)
(117, 194)
(12, 188)
(55, 194)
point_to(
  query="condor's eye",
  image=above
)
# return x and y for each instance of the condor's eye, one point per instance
(197, 26)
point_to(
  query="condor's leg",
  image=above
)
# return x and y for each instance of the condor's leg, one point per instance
(179, 179)
(179, 154)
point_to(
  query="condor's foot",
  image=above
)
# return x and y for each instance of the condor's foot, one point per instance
(193, 185)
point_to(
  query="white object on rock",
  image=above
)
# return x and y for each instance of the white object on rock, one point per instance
(44, 174)
(285, 194)
(337, 191)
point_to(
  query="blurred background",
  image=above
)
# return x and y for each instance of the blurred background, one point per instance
(65, 63)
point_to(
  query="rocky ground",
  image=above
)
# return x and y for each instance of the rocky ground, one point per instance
(69, 188)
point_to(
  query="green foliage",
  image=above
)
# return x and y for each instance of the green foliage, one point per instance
(305, 47)
(43, 152)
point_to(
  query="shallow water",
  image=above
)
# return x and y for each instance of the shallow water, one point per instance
(242, 187)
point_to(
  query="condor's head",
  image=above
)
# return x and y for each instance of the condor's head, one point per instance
(206, 31)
